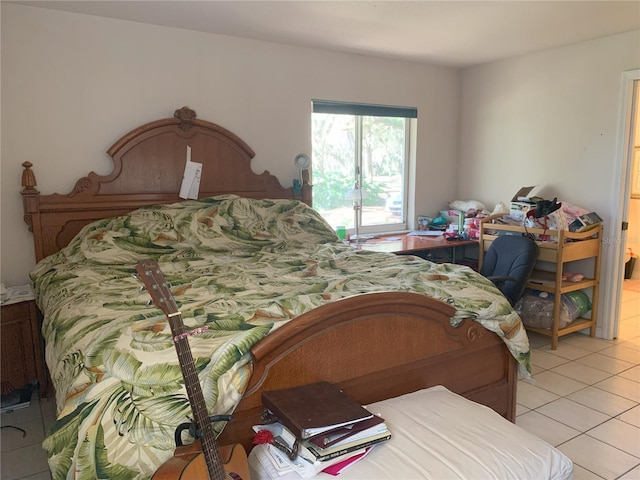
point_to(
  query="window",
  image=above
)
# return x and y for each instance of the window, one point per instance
(367, 145)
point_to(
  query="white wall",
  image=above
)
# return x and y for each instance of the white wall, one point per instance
(73, 84)
(549, 119)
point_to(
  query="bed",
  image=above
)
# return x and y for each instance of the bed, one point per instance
(376, 324)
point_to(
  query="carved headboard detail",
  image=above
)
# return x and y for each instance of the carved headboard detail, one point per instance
(148, 164)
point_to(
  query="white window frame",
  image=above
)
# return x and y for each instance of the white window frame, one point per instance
(361, 110)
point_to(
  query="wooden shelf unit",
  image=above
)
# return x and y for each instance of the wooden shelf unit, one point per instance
(565, 247)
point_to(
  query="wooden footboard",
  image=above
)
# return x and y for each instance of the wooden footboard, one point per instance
(377, 346)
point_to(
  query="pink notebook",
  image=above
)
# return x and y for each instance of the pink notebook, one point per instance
(337, 468)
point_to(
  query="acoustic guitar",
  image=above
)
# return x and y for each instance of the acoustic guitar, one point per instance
(201, 460)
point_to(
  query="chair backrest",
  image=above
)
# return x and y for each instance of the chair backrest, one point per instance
(511, 256)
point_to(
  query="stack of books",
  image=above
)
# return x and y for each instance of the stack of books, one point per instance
(321, 425)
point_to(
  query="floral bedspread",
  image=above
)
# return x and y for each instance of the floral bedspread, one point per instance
(243, 268)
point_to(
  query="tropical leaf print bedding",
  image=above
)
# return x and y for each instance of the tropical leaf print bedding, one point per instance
(243, 268)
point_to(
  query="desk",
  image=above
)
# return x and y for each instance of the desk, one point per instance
(420, 246)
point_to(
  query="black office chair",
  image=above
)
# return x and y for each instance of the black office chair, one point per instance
(508, 263)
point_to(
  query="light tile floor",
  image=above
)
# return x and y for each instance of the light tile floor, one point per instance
(585, 401)
(23, 457)
(586, 396)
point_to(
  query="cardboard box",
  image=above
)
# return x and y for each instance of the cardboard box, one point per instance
(518, 210)
(522, 202)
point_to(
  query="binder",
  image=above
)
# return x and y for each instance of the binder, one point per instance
(312, 409)
(375, 424)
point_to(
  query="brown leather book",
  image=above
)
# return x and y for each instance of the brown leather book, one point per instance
(328, 453)
(312, 409)
(340, 434)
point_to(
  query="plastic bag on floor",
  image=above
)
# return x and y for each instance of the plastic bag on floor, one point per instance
(536, 308)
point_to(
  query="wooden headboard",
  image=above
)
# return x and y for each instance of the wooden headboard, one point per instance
(148, 164)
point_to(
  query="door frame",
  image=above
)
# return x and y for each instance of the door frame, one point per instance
(621, 192)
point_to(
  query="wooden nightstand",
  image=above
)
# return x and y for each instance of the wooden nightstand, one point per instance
(21, 348)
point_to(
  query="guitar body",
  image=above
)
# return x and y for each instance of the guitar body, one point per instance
(188, 463)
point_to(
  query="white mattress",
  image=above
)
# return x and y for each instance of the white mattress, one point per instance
(437, 434)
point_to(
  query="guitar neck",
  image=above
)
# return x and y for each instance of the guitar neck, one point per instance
(196, 399)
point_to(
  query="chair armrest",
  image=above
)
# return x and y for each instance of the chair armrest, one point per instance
(501, 279)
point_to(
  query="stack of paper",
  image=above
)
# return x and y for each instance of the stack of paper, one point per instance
(318, 426)
(270, 462)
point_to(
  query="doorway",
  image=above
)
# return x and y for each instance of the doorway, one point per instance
(627, 210)
(632, 244)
